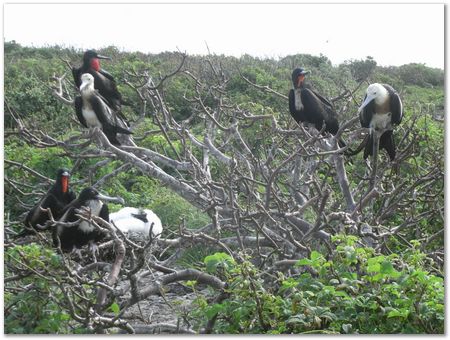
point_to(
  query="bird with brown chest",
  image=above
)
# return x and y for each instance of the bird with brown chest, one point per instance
(380, 111)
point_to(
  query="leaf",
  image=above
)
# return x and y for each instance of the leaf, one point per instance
(289, 283)
(304, 262)
(190, 283)
(347, 328)
(213, 310)
(115, 308)
(386, 267)
(315, 255)
(309, 293)
(403, 313)
(212, 262)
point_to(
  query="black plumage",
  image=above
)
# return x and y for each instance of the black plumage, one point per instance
(93, 111)
(84, 232)
(56, 198)
(306, 105)
(381, 109)
(104, 81)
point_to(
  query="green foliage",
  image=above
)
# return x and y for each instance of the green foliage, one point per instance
(28, 308)
(218, 261)
(352, 291)
(362, 69)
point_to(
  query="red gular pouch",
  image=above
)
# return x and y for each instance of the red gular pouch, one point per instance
(300, 80)
(95, 64)
(65, 183)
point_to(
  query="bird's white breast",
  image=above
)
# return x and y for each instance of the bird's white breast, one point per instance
(90, 117)
(95, 206)
(298, 99)
(88, 112)
(381, 122)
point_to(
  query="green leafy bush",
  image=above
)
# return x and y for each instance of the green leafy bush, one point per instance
(28, 308)
(353, 290)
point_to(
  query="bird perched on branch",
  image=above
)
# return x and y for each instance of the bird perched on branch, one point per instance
(104, 81)
(78, 232)
(56, 198)
(306, 105)
(137, 221)
(380, 111)
(93, 111)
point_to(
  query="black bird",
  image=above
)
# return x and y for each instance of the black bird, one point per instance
(93, 111)
(380, 111)
(306, 105)
(56, 198)
(73, 237)
(104, 81)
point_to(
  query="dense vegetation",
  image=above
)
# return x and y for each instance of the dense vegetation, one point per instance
(275, 261)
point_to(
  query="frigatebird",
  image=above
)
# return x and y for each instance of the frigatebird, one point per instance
(104, 81)
(56, 198)
(381, 109)
(93, 111)
(78, 232)
(306, 105)
(134, 220)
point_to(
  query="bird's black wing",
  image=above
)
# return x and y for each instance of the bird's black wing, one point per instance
(68, 214)
(395, 104)
(55, 204)
(142, 217)
(107, 117)
(79, 110)
(107, 75)
(312, 109)
(70, 196)
(365, 116)
(110, 91)
(387, 142)
(102, 98)
(76, 72)
(101, 109)
(322, 99)
(104, 212)
(68, 235)
(317, 111)
(35, 215)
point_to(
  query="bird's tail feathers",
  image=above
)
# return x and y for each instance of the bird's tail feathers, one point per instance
(387, 143)
(368, 150)
(112, 138)
(118, 129)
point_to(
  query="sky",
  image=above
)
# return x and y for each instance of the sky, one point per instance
(393, 34)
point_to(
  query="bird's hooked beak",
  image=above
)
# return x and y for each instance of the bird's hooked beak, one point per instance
(103, 57)
(118, 200)
(368, 99)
